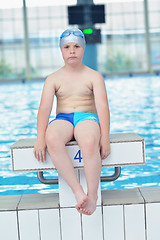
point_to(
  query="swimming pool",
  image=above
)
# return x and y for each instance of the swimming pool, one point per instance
(134, 106)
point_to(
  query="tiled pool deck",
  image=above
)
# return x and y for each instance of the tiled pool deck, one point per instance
(127, 214)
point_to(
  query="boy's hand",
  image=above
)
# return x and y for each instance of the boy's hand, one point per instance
(40, 150)
(105, 148)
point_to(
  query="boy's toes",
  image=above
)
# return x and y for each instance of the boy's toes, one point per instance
(87, 212)
(84, 211)
(80, 210)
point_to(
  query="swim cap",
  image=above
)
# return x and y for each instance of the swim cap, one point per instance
(72, 35)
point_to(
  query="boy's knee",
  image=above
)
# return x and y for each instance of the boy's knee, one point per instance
(52, 140)
(90, 144)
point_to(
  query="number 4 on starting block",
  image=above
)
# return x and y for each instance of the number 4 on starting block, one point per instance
(78, 156)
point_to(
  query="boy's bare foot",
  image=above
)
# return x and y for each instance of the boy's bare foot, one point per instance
(89, 207)
(81, 198)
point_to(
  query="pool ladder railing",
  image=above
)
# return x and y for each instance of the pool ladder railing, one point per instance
(113, 177)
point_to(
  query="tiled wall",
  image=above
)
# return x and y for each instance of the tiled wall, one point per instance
(124, 215)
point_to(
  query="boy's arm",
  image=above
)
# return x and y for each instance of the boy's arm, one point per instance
(43, 117)
(103, 112)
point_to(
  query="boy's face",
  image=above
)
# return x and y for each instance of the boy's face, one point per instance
(72, 53)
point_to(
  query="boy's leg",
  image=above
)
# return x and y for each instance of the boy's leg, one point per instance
(58, 133)
(87, 134)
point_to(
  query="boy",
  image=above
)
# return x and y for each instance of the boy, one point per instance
(82, 112)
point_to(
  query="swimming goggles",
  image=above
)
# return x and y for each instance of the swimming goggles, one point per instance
(69, 32)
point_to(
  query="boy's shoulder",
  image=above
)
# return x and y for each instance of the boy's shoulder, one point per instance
(53, 77)
(93, 73)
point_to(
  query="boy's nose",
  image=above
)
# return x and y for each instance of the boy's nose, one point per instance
(72, 49)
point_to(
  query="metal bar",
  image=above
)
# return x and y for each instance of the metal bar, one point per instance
(117, 173)
(44, 180)
(26, 41)
(148, 42)
(111, 178)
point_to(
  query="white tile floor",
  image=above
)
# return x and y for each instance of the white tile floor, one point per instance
(37, 217)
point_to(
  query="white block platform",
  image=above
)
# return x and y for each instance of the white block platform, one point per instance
(126, 149)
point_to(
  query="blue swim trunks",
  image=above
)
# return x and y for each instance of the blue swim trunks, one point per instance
(77, 117)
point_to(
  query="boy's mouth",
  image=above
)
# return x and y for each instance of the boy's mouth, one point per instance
(72, 57)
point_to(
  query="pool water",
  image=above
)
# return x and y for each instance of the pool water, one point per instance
(134, 106)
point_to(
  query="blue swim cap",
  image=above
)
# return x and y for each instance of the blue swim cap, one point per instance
(72, 35)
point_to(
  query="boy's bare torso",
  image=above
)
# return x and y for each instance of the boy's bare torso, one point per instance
(74, 91)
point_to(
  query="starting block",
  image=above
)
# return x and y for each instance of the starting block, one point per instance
(126, 149)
